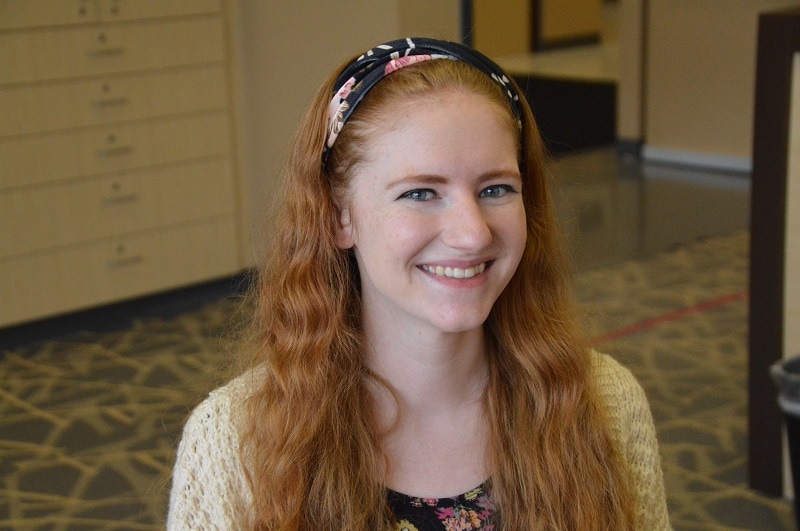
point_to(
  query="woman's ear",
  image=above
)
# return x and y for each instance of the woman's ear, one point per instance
(344, 231)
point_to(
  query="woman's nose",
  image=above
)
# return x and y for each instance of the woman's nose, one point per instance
(466, 226)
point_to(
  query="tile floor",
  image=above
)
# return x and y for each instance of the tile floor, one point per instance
(614, 208)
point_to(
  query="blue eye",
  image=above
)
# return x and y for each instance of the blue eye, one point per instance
(420, 194)
(497, 191)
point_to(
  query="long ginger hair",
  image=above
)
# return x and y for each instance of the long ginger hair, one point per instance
(311, 447)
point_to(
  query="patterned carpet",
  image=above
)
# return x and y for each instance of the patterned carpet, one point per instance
(89, 424)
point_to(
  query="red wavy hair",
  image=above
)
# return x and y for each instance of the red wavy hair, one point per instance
(310, 445)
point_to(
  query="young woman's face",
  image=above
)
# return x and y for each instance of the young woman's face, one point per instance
(435, 214)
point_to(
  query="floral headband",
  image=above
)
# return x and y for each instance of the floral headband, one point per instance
(369, 69)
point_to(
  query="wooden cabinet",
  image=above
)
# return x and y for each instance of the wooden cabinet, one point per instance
(117, 174)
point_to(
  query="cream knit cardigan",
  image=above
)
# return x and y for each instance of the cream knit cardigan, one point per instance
(209, 489)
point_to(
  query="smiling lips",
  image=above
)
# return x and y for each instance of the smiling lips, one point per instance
(455, 272)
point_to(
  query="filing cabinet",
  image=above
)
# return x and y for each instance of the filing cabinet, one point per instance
(117, 167)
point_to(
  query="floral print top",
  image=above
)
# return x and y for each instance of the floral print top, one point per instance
(469, 511)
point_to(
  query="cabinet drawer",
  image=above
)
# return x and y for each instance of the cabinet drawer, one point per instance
(59, 53)
(69, 104)
(66, 213)
(58, 156)
(111, 10)
(45, 284)
(17, 14)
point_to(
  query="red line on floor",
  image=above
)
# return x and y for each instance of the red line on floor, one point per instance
(647, 324)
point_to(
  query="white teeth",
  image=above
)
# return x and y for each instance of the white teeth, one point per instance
(455, 272)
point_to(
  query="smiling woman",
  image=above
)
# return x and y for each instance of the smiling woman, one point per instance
(452, 207)
(416, 363)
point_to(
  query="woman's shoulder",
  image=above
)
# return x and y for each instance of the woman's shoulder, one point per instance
(633, 430)
(209, 488)
(220, 415)
(235, 391)
(615, 382)
(625, 404)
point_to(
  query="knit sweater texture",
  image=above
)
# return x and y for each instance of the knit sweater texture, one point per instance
(210, 491)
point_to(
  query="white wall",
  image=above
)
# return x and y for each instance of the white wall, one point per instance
(791, 310)
(283, 50)
(700, 80)
(792, 270)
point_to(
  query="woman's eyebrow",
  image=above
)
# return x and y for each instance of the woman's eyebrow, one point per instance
(417, 179)
(500, 174)
(423, 179)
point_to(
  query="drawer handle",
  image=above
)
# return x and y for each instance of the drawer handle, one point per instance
(99, 53)
(114, 152)
(122, 199)
(125, 261)
(110, 102)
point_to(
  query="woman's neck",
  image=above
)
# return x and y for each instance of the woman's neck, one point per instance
(431, 374)
(435, 434)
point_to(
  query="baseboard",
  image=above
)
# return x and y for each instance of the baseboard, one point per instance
(708, 161)
(629, 147)
(120, 315)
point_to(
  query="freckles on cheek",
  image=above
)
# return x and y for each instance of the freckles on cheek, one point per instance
(403, 233)
(409, 226)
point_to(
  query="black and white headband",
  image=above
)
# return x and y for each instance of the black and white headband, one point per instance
(370, 68)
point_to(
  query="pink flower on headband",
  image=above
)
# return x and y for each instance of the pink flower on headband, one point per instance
(336, 109)
(400, 62)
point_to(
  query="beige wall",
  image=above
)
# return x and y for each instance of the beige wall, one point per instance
(501, 27)
(570, 20)
(630, 42)
(283, 50)
(700, 76)
(423, 18)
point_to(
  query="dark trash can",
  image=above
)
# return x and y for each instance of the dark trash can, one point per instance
(786, 374)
